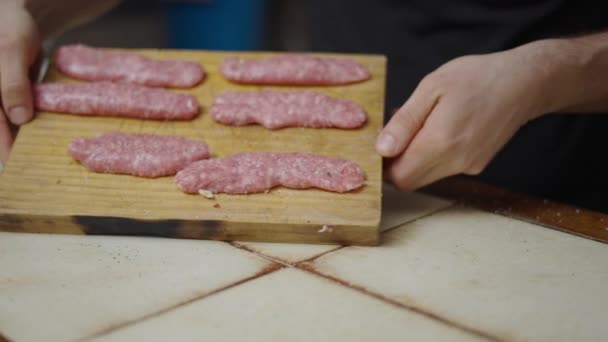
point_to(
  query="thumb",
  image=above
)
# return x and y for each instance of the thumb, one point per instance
(15, 88)
(406, 122)
(6, 139)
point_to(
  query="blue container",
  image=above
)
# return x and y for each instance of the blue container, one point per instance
(216, 24)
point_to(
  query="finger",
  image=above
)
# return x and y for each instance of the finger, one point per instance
(406, 122)
(407, 175)
(15, 86)
(6, 138)
(430, 175)
(424, 161)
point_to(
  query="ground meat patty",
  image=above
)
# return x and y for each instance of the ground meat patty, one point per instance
(115, 99)
(278, 109)
(294, 70)
(253, 172)
(144, 155)
(92, 64)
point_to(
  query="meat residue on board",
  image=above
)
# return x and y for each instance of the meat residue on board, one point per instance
(144, 155)
(294, 69)
(255, 172)
(94, 64)
(115, 99)
(278, 109)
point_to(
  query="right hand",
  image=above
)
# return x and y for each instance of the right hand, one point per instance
(19, 46)
(458, 118)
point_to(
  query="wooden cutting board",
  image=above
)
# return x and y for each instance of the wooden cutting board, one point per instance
(43, 190)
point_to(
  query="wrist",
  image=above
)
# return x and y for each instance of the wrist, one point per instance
(567, 73)
(550, 75)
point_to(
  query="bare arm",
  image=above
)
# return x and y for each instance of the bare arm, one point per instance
(575, 72)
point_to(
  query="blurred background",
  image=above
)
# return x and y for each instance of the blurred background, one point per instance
(210, 24)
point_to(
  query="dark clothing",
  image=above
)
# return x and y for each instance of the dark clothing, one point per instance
(558, 156)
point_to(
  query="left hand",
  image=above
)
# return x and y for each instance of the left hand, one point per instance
(460, 116)
(19, 46)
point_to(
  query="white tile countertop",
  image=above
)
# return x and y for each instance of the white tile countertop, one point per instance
(444, 272)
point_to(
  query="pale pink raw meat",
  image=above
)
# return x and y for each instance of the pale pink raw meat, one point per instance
(279, 109)
(253, 172)
(115, 99)
(94, 64)
(294, 69)
(144, 155)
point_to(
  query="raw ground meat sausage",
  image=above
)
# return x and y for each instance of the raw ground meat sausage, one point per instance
(294, 69)
(93, 64)
(115, 99)
(278, 109)
(144, 155)
(253, 172)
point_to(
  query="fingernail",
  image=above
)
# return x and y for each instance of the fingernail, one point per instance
(18, 115)
(385, 144)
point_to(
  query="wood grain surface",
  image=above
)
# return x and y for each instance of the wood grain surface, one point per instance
(43, 190)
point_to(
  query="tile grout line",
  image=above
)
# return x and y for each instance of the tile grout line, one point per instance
(280, 264)
(418, 218)
(399, 225)
(281, 261)
(314, 257)
(261, 255)
(296, 263)
(517, 217)
(267, 270)
(305, 265)
(474, 195)
(308, 268)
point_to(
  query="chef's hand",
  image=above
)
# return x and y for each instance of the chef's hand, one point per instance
(19, 45)
(460, 116)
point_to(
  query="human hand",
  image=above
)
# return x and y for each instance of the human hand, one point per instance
(19, 45)
(461, 115)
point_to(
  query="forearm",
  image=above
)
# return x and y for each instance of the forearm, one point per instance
(55, 17)
(573, 73)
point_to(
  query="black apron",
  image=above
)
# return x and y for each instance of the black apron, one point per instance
(558, 156)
